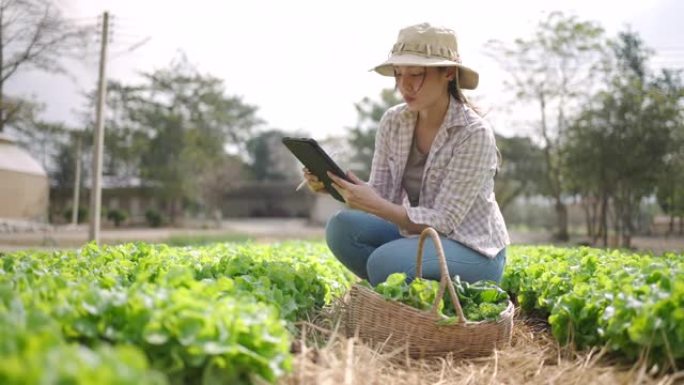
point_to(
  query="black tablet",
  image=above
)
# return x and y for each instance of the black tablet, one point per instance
(314, 158)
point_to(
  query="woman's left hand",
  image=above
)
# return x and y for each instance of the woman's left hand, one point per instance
(358, 195)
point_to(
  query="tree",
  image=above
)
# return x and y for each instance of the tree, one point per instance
(617, 148)
(44, 140)
(553, 69)
(171, 128)
(64, 163)
(591, 161)
(362, 136)
(269, 159)
(522, 169)
(125, 137)
(670, 188)
(34, 34)
(642, 130)
(223, 175)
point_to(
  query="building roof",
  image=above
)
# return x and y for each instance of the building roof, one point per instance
(16, 159)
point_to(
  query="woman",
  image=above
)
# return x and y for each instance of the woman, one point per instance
(434, 165)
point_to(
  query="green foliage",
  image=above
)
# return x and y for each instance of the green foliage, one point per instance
(670, 189)
(420, 293)
(193, 121)
(362, 136)
(33, 351)
(117, 216)
(269, 158)
(199, 240)
(63, 170)
(47, 142)
(553, 70)
(172, 129)
(214, 314)
(81, 214)
(221, 176)
(480, 301)
(522, 171)
(631, 303)
(624, 143)
(153, 218)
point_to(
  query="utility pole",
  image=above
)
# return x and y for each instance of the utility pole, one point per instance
(77, 182)
(98, 141)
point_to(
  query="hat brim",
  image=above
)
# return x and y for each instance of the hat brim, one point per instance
(467, 78)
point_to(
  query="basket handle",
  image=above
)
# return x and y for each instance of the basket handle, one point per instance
(445, 280)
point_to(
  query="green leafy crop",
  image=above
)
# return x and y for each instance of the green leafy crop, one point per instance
(214, 314)
(32, 351)
(632, 303)
(481, 301)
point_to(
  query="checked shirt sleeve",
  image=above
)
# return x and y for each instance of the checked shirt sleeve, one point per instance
(472, 163)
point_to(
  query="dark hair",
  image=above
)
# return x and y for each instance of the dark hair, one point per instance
(456, 93)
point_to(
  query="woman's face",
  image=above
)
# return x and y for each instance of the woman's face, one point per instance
(421, 87)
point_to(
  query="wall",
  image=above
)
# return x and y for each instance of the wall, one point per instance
(23, 196)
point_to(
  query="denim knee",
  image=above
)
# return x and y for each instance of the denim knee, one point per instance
(341, 233)
(337, 229)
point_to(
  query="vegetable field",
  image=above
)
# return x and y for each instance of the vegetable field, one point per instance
(633, 304)
(210, 315)
(225, 313)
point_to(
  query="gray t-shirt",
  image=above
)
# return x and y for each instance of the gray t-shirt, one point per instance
(413, 173)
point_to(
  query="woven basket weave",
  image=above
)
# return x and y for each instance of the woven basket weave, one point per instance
(373, 318)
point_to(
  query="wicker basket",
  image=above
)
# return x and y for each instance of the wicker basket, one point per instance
(373, 318)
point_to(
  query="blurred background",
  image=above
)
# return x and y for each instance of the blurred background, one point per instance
(586, 99)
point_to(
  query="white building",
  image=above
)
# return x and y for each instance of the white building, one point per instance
(24, 185)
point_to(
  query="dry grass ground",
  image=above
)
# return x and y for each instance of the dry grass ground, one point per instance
(324, 356)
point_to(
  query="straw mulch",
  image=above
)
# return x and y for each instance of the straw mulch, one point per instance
(323, 355)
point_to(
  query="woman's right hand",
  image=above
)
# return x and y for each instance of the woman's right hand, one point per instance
(313, 183)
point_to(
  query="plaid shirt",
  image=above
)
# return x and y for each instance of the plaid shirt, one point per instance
(457, 191)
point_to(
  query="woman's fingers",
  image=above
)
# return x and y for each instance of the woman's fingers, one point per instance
(316, 186)
(312, 181)
(309, 176)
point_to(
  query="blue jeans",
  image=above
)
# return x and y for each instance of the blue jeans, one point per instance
(372, 248)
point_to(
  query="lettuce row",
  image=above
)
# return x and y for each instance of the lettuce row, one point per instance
(632, 303)
(212, 314)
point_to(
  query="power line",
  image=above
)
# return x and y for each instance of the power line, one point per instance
(81, 20)
(131, 48)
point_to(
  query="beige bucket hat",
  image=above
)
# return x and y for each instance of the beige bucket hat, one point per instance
(429, 46)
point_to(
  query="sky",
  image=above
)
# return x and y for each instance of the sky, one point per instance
(305, 64)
